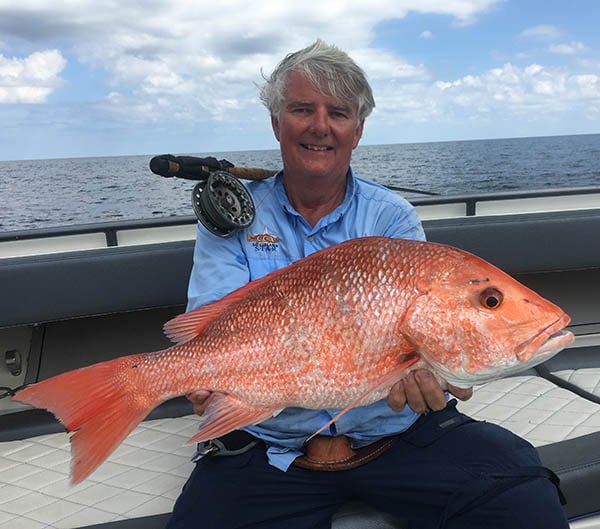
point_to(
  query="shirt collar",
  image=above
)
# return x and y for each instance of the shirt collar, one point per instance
(334, 216)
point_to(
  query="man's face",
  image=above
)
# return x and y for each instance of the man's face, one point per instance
(317, 132)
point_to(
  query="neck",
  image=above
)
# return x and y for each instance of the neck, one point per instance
(314, 199)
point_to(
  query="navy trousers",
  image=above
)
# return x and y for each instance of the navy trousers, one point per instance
(447, 471)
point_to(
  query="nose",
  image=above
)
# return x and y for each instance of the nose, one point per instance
(320, 125)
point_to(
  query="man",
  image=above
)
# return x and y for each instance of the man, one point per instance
(441, 468)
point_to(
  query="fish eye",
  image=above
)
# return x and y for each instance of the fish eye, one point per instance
(491, 298)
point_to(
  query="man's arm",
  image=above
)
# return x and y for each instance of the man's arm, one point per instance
(220, 267)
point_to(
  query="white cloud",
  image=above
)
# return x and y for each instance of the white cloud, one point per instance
(567, 49)
(467, 81)
(510, 99)
(208, 55)
(196, 63)
(31, 79)
(380, 64)
(515, 89)
(586, 86)
(542, 32)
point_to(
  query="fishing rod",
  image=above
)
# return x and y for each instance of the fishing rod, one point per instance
(220, 201)
(195, 168)
(411, 190)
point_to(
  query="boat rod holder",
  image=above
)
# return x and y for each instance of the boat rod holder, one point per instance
(220, 201)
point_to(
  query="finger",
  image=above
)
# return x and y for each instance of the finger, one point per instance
(199, 400)
(397, 397)
(414, 396)
(460, 393)
(198, 396)
(430, 390)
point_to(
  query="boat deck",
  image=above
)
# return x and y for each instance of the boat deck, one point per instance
(146, 473)
(71, 295)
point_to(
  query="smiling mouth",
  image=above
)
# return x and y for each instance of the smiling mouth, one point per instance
(317, 148)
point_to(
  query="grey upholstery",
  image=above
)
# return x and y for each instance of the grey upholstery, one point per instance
(117, 279)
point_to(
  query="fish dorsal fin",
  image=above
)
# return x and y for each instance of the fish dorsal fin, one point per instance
(190, 324)
(226, 413)
(388, 379)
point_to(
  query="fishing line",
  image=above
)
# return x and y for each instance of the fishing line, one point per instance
(10, 392)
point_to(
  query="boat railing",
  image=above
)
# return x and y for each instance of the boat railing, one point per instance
(508, 202)
(182, 228)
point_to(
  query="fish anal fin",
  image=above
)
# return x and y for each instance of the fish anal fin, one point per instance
(226, 413)
(387, 380)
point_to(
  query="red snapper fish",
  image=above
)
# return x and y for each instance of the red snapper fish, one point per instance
(333, 330)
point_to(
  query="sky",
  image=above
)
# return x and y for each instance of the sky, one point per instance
(123, 77)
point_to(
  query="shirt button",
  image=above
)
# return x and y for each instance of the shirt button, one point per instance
(310, 238)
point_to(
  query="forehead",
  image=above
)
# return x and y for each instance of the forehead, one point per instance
(300, 88)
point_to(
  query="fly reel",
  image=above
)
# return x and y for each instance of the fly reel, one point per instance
(222, 204)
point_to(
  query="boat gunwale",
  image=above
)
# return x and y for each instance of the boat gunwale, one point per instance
(111, 227)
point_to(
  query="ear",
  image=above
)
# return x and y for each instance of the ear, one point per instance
(358, 133)
(275, 125)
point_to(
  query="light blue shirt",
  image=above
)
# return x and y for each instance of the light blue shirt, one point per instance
(278, 237)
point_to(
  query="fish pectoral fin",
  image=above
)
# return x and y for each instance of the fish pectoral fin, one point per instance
(226, 413)
(389, 379)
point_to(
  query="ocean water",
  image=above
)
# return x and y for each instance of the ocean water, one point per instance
(60, 192)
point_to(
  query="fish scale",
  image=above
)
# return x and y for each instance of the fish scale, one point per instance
(334, 330)
(288, 315)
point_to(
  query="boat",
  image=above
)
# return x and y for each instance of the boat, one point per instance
(72, 296)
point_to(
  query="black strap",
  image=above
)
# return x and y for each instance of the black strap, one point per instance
(231, 444)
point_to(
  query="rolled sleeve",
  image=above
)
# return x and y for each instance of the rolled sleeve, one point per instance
(220, 267)
(406, 225)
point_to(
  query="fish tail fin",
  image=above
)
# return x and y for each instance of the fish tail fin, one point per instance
(96, 407)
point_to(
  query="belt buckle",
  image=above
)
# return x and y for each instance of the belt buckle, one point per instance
(207, 448)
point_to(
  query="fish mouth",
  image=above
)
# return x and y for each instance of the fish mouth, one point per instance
(537, 350)
(549, 340)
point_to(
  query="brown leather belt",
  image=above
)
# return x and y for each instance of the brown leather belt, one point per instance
(320, 453)
(336, 453)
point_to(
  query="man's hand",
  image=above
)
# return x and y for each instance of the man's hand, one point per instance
(199, 399)
(422, 392)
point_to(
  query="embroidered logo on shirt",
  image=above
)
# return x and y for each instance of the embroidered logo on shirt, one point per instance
(264, 242)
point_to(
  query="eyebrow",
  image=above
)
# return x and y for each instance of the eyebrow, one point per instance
(296, 104)
(299, 103)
